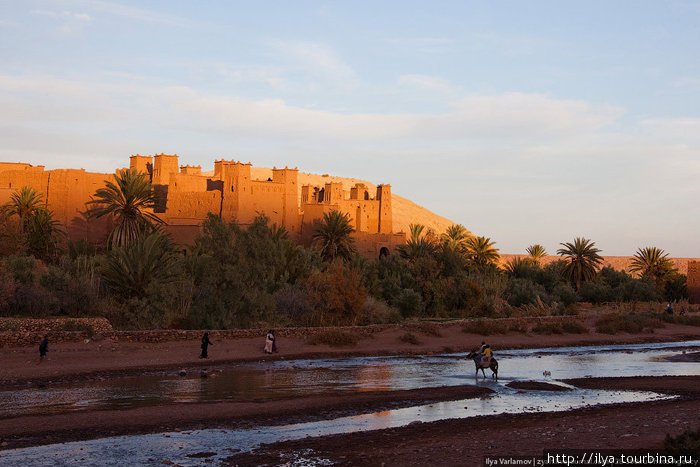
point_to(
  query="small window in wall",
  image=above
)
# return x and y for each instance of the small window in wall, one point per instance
(231, 187)
(383, 252)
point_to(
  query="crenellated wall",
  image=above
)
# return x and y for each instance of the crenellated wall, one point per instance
(186, 195)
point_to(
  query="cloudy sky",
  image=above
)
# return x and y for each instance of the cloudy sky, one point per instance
(526, 121)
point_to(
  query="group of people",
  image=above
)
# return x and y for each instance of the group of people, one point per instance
(270, 344)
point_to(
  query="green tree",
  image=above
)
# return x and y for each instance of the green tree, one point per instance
(653, 263)
(130, 199)
(455, 238)
(583, 259)
(418, 245)
(44, 235)
(536, 252)
(481, 251)
(332, 236)
(24, 204)
(130, 271)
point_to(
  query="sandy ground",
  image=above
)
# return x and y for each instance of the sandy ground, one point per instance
(104, 358)
(452, 442)
(468, 441)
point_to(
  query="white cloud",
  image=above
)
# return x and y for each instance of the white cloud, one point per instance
(317, 57)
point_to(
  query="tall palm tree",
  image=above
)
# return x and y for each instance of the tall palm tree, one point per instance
(24, 204)
(536, 252)
(418, 244)
(332, 236)
(583, 258)
(129, 270)
(455, 238)
(652, 262)
(130, 199)
(43, 234)
(481, 251)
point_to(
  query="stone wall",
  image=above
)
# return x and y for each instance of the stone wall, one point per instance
(27, 332)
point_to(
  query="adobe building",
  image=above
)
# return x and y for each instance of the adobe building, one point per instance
(693, 284)
(186, 195)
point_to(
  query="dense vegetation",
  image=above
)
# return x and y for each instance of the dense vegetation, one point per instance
(242, 277)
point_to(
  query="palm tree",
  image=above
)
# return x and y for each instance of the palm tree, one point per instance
(652, 262)
(332, 236)
(130, 270)
(418, 245)
(536, 252)
(24, 204)
(43, 234)
(481, 251)
(130, 200)
(455, 238)
(584, 260)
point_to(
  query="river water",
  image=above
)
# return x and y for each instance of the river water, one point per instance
(279, 378)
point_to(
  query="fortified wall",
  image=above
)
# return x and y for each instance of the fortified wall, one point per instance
(187, 194)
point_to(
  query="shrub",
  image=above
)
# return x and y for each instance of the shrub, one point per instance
(293, 303)
(571, 326)
(524, 292)
(409, 338)
(548, 328)
(409, 302)
(564, 293)
(596, 292)
(687, 442)
(612, 323)
(430, 329)
(686, 320)
(485, 327)
(333, 337)
(376, 311)
(517, 326)
(336, 296)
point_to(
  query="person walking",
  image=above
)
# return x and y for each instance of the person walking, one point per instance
(269, 341)
(205, 344)
(43, 348)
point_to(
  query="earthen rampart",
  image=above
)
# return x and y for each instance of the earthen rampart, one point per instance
(187, 195)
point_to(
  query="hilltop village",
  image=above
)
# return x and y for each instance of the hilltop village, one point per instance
(187, 194)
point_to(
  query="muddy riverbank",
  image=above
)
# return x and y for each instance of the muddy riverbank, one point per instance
(74, 361)
(467, 441)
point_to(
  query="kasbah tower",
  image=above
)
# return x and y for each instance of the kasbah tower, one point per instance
(186, 196)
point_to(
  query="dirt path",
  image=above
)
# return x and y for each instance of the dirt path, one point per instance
(106, 358)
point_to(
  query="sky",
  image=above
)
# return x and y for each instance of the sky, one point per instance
(525, 121)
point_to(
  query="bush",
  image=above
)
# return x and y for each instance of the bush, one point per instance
(336, 296)
(430, 329)
(687, 442)
(571, 326)
(293, 304)
(409, 338)
(596, 292)
(548, 328)
(409, 302)
(677, 319)
(485, 327)
(333, 337)
(517, 326)
(524, 292)
(376, 311)
(564, 293)
(612, 323)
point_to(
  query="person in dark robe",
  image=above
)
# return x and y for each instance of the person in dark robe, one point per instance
(43, 348)
(274, 341)
(205, 344)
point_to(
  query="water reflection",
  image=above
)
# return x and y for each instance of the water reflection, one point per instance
(256, 381)
(175, 447)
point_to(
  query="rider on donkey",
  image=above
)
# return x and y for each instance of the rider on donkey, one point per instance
(485, 353)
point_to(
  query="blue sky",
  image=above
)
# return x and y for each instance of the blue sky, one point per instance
(526, 121)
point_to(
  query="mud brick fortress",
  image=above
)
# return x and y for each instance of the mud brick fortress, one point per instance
(186, 195)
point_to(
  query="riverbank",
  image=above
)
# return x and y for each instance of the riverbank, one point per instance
(108, 357)
(468, 441)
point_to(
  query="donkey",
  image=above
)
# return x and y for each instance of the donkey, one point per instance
(493, 365)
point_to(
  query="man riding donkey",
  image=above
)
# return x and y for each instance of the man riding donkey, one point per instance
(484, 359)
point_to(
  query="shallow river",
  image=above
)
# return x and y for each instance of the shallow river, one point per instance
(273, 379)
